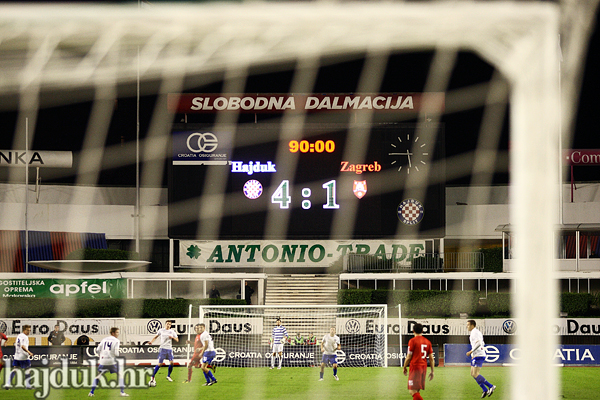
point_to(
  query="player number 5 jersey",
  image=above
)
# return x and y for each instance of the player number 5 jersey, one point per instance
(420, 347)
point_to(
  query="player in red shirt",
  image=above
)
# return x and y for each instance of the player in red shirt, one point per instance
(418, 350)
(197, 356)
(2, 338)
(196, 360)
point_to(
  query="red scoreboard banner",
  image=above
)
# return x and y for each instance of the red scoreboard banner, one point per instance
(188, 103)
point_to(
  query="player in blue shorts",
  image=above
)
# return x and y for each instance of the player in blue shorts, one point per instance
(279, 337)
(477, 354)
(208, 353)
(21, 357)
(329, 345)
(108, 351)
(167, 335)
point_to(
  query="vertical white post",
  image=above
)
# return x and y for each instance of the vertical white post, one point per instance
(400, 332)
(560, 137)
(534, 201)
(171, 255)
(189, 329)
(577, 243)
(385, 327)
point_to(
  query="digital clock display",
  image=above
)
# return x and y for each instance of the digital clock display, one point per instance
(311, 186)
(304, 146)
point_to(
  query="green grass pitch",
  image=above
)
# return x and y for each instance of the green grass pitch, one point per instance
(303, 383)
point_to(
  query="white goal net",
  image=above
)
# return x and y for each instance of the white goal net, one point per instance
(243, 336)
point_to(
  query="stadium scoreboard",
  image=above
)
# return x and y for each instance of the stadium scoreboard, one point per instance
(387, 180)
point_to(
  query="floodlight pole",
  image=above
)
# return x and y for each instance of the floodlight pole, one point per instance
(137, 151)
(26, 195)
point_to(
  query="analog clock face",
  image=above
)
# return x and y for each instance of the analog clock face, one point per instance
(407, 153)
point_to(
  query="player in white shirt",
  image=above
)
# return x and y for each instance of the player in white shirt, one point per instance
(329, 346)
(207, 353)
(22, 353)
(278, 338)
(108, 351)
(477, 354)
(167, 335)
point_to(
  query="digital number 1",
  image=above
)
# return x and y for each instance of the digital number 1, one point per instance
(331, 195)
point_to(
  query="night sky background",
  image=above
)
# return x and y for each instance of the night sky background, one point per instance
(64, 127)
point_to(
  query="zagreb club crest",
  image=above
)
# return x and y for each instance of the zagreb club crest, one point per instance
(360, 189)
(410, 211)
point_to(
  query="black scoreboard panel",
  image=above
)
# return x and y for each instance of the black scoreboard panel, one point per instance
(310, 178)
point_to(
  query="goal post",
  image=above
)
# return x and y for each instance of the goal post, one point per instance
(401, 354)
(242, 335)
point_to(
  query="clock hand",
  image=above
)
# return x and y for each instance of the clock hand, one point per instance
(407, 154)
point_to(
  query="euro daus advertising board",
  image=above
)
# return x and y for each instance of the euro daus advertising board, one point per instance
(457, 327)
(137, 331)
(72, 328)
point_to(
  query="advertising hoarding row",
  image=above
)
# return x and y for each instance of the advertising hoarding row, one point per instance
(64, 288)
(507, 354)
(227, 356)
(136, 331)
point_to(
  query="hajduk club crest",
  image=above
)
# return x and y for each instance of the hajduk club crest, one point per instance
(410, 211)
(253, 189)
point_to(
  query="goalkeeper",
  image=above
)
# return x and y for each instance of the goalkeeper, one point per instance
(279, 337)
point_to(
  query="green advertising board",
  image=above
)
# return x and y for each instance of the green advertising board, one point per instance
(65, 288)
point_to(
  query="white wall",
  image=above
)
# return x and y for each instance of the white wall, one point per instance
(475, 222)
(110, 210)
(85, 209)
